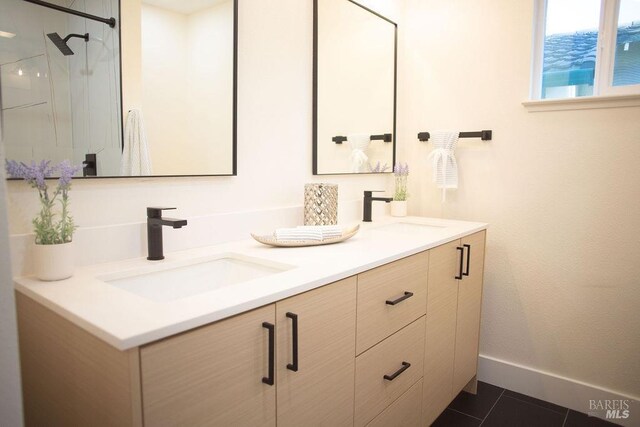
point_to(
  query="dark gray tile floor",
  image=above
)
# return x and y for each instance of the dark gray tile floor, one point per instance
(497, 407)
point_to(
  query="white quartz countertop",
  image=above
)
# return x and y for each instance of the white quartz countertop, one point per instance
(126, 320)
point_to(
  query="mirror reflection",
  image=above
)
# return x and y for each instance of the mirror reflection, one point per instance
(187, 73)
(60, 85)
(354, 89)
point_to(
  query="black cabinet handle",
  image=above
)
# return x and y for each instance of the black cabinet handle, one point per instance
(405, 366)
(459, 276)
(402, 298)
(272, 352)
(294, 319)
(468, 258)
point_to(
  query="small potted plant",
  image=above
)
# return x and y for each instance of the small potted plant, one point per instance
(53, 251)
(399, 203)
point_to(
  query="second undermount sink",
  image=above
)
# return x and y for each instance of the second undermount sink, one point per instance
(409, 228)
(164, 283)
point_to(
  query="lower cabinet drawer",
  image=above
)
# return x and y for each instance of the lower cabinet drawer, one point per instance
(387, 370)
(404, 412)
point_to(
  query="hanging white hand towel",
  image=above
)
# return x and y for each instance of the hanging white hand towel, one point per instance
(136, 160)
(443, 160)
(358, 157)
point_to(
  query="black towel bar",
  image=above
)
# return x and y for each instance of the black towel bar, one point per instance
(484, 135)
(386, 137)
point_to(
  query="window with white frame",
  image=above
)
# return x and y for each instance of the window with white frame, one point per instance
(586, 48)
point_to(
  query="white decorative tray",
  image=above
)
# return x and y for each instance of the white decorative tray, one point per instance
(272, 241)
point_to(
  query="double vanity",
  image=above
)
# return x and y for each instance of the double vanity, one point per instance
(380, 330)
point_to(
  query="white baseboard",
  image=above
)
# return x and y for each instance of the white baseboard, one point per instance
(557, 389)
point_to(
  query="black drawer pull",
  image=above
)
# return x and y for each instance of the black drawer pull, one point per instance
(459, 276)
(402, 298)
(405, 366)
(272, 352)
(468, 258)
(294, 319)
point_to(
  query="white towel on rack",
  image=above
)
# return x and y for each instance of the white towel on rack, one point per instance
(136, 160)
(358, 158)
(443, 160)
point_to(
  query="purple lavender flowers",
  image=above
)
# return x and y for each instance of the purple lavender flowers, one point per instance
(67, 171)
(378, 168)
(34, 174)
(401, 173)
(48, 229)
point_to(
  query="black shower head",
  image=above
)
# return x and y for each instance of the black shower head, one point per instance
(62, 43)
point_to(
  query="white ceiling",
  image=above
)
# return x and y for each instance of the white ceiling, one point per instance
(185, 7)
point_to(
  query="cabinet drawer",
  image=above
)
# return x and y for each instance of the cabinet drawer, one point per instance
(381, 310)
(404, 412)
(379, 376)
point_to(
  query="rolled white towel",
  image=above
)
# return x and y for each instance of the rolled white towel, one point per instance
(295, 234)
(331, 236)
(328, 231)
(309, 232)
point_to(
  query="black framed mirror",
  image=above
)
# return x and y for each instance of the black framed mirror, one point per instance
(62, 95)
(354, 89)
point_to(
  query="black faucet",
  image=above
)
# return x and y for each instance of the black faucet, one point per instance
(368, 199)
(154, 231)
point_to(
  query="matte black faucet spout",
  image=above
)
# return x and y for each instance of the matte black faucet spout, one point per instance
(368, 201)
(155, 222)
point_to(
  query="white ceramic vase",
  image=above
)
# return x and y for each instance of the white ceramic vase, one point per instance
(54, 262)
(399, 208)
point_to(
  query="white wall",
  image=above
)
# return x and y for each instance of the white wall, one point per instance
(164, 86)
(561, 191)
(210, 88)
(187, 89)
(274, 136)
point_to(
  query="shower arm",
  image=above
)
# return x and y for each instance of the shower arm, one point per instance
(80, 36)
(110, 21)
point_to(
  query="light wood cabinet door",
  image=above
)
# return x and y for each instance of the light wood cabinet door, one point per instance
(469, 304)
(72, 378)
(211, 376)
(390, 297)
(442, 302)
(320, 392)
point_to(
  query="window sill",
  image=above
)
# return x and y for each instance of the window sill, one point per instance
(582, 103)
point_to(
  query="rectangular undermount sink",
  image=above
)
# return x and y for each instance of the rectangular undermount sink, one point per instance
(409, 227)
(170, 282)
